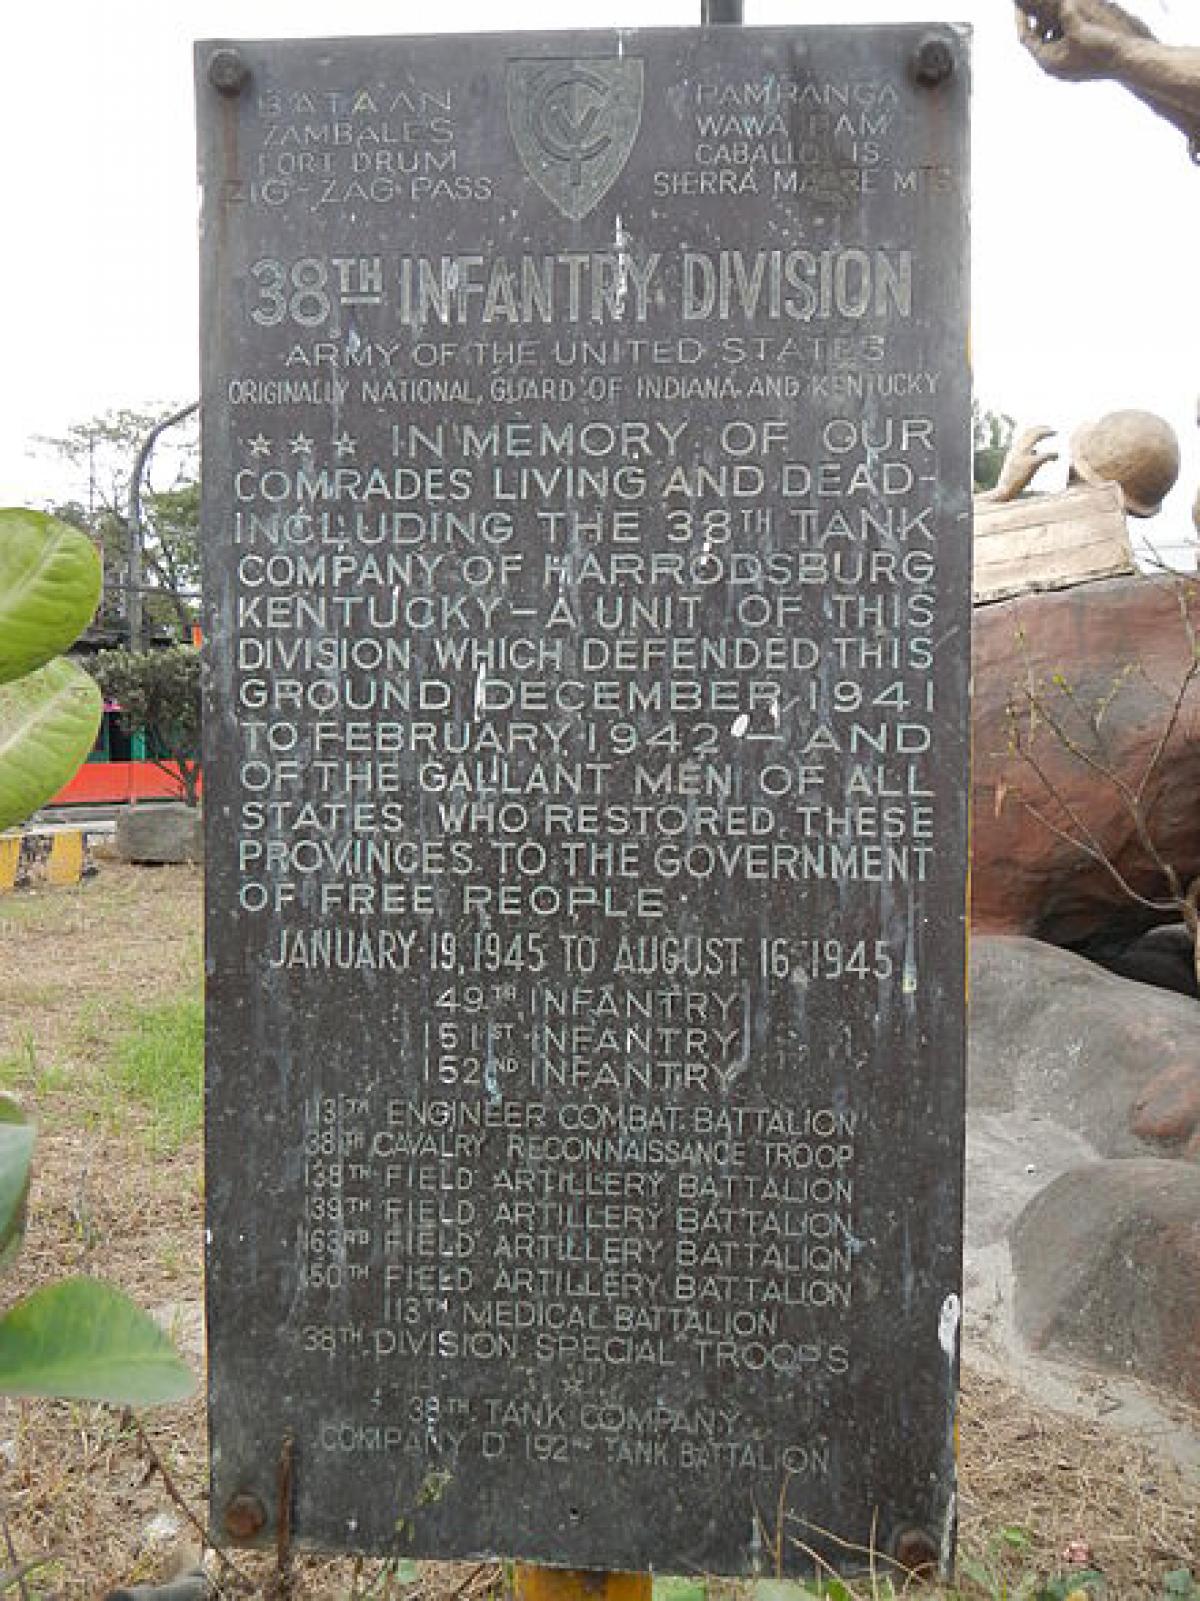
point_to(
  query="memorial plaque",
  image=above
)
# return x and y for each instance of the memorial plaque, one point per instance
(586, 479)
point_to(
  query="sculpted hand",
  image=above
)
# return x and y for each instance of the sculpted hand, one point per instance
(1076, 39)
(1022, 464)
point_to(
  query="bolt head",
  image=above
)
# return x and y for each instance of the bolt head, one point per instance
(916, 1551)
(227, 72)
(245, 1516)
(933, 61)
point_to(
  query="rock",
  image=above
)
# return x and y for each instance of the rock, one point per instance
(192, 1586)
(185, 1577)
(1118, 649)
(1106, 1264)
(1168, 1109)
(1164, 956)
(1010, 1158)
(1053, 1037)
(1067, 1062)
(162, 832)
(164, 1528)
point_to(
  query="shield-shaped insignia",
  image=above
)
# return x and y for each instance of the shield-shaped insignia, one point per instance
(574, 123)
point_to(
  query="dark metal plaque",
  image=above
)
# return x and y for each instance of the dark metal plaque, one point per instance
(586, 477)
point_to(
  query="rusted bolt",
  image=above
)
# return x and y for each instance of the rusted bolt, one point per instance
(227, 72)
(245, 1516)
(933, 61)
(916, 1551)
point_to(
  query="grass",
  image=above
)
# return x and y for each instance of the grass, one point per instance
(24, 1070)
(1003, 1571)
(1077, 1585)
(60, 909)
(34, 996)
(157, 1062)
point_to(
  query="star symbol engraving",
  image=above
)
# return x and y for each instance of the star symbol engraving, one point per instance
(345, 445)
(301, 445)
(260, 445)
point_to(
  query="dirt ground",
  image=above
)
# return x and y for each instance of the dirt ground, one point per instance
(106, 1498)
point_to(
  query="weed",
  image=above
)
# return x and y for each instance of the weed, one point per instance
(23, 1070)
(981, 1579)
(990, 1571)
(170, 1259)
(33, 995)
(392, 1576)
(18, 1071)
(1082, 1585)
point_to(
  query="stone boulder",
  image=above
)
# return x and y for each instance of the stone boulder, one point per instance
(1106, 1268)
(159, 833)
(1053, 1037)
(1079, 1241)
(1167, 1112)
(1107, 660)
(1165, 956)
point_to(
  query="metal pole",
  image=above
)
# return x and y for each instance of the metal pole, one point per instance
(532, 1583)
(720, 12)
(135, 519)
(569, 1584)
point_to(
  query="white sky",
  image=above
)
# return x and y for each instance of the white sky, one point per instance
(1086, 208)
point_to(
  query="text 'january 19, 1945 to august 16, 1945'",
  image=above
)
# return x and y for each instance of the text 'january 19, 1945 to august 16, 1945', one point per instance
(587, 605)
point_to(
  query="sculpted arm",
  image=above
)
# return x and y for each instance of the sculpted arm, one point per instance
(1024, 461)
(1082, 40)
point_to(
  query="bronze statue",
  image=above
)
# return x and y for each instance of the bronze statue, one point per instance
(1136, 450)
(1081, 40)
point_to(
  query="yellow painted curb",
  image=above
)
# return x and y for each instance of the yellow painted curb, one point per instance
(10, 857)
(65, 863)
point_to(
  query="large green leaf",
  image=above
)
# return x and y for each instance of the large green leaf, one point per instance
(48, 723)
(82, 1340)
(16, 1154)
(50, 577)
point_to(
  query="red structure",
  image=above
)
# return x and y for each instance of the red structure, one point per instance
(117, 771)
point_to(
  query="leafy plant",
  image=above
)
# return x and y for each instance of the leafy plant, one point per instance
(838, 1590)
(991, 434)
(1082, 1584)
(50, 708)
(158, 692)
(676, 1587)
(989, 1570)
(391, 1575)
(82, 1340)
(79, 1339)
